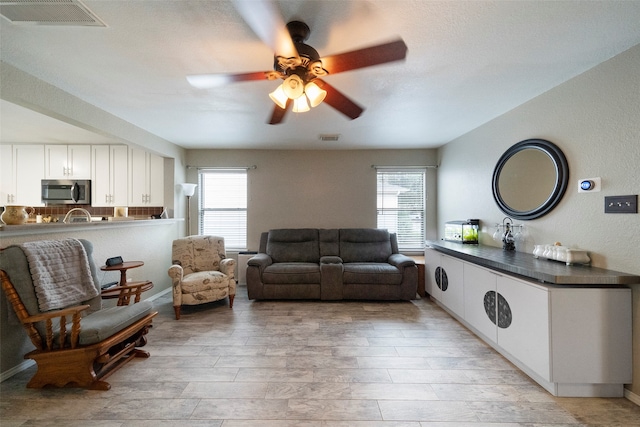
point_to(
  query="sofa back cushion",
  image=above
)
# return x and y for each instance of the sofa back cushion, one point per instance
(198, 253)
(294, 245)
(329, 242)
(365, 245)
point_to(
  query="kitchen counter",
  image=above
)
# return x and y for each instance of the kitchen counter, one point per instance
(59, 227)
(524, 264)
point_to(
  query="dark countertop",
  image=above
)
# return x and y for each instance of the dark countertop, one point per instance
(524, 264)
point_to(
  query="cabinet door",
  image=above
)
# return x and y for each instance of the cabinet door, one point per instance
(79, 161)
(137, 177)
(146, 185)
(7, 176)
(592, 335)
(156, 181)
(55, 162)
(480, 300)
(431, 266)
(100, 176)
(109, 175)
(28, 163)
(523, 323)
(67, 161)
(452, 284)
(119, 176)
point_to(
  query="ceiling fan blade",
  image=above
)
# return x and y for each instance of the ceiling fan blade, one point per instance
(278, 113)
(367, 57)
(206, 81)
(339, 101)
(265, 20)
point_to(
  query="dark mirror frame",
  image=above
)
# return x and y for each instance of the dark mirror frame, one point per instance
(562, 178)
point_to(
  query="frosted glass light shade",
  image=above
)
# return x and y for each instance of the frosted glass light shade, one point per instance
(300, 104)
(188, 189)
(279, 97)
(293, 86)
(315, 94)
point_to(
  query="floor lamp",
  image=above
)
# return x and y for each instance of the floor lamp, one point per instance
(189, 190)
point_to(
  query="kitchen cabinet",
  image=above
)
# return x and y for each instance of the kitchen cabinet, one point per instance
(109, 177)
(21, 175)
(146, 178)
(67, 161)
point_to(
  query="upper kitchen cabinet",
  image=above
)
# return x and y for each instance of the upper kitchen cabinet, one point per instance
(146, 178)
(67, 161)
(22, 170)
(109, 176)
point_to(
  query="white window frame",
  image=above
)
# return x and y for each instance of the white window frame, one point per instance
(411, 231)
(222, 205)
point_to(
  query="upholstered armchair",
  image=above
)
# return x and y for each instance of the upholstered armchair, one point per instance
(201, 272)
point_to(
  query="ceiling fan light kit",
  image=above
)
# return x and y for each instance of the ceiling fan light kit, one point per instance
(302, 88)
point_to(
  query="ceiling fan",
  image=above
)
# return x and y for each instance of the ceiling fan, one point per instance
(300, 65)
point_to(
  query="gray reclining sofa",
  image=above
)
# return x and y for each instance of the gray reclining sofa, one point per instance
(331, 264)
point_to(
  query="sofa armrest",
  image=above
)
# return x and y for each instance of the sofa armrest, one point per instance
(401, 261)
(176, 273)
(260, 260)
(228, 267)
(330, 259)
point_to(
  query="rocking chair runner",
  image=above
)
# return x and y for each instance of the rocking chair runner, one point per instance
(84, 351)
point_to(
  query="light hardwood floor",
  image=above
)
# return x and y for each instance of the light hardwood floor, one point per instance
(310, 364)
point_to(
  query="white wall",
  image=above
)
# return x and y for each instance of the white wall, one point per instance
(317, 189)
(595, 119)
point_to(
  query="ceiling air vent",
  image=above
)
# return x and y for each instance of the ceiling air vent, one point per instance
(329, 137)
(49, 12)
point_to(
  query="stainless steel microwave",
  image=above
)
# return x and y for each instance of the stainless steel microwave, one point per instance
(66, 192)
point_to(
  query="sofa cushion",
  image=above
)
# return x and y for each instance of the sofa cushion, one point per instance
(203, 280)
(371, 273)
(294, 245)
(108, 321)
(291, 273)
(364, 245)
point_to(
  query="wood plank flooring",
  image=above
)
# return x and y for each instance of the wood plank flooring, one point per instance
(310, 364)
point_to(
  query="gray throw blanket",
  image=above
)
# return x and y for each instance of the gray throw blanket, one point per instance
(60, 272)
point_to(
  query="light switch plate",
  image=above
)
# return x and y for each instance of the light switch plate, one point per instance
(621, 204)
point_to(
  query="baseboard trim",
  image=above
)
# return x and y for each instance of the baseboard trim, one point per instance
(159, 294)
(16, 369)
(632, 396)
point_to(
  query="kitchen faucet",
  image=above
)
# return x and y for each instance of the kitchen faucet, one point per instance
(84, 211)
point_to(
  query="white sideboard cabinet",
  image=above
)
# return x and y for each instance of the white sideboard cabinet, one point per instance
(573, 339)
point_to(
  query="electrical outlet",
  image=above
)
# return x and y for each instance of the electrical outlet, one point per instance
(621, 204)
(589, 185)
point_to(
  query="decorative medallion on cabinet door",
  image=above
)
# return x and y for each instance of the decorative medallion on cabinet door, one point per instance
(441, 278)
(504, 315)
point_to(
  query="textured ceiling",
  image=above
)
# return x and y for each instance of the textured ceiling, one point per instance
(467, 62)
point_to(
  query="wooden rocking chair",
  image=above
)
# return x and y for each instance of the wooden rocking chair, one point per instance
(84, 351)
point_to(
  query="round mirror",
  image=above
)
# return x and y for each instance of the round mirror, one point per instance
(530, 179)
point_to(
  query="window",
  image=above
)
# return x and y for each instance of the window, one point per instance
(223, 205)
(401, 206)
